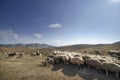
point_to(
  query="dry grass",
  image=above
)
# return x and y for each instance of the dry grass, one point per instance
(26, 50)
(105, 49)
(31, 68)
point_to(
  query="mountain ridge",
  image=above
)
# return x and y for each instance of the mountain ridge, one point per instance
(84, 46)
(36, 45)
(67, 47)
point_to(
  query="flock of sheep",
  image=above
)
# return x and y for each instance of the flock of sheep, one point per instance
(21, 54)
(14, 54)
(106, 63)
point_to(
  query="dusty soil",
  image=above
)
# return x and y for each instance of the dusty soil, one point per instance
(32, 68)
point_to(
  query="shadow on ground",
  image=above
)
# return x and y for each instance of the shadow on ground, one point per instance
(86, 73)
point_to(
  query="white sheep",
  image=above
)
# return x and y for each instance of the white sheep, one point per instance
(76, 60)
(20, 55)
(111, 66)
(65, 58)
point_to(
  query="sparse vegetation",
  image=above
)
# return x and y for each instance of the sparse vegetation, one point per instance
(33, 67)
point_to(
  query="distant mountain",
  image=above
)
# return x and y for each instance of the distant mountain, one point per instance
(76, 47)
(73, 47)
(36, 45)
(115, 45)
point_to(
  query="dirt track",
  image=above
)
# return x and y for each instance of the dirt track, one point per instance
(31, 68)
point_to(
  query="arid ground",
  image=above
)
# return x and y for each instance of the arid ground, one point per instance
(32, 68)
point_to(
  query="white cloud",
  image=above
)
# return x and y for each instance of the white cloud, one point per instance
(39, 19)
(37, 35)
(8, 35)
(115, 0)
(57, 41)
(55, 25)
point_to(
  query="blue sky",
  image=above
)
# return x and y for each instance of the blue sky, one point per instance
(59, 22)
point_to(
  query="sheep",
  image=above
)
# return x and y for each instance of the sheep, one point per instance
(65, 58)
(97, 52)
(76, 60)
(41, 56)
(94, 62)
(33, 54)
(110, 66)
(6, 54)
(103, 62)
(107, 58)
(10, 54)
(49, 61)
(57, 58)
(20, 55)
(118, 62)
(36, 53)
(87, 58)
(114, 52)
(54, 53)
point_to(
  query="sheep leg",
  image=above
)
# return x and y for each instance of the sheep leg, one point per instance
(88, 66)
(106, 72)
(64, 61)
(76, 67)
(45, 63)
(67, 61)
(117, 75)
(40, 58)
(100, 70)
(79, 67)
(49, 66)
(55, 62)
